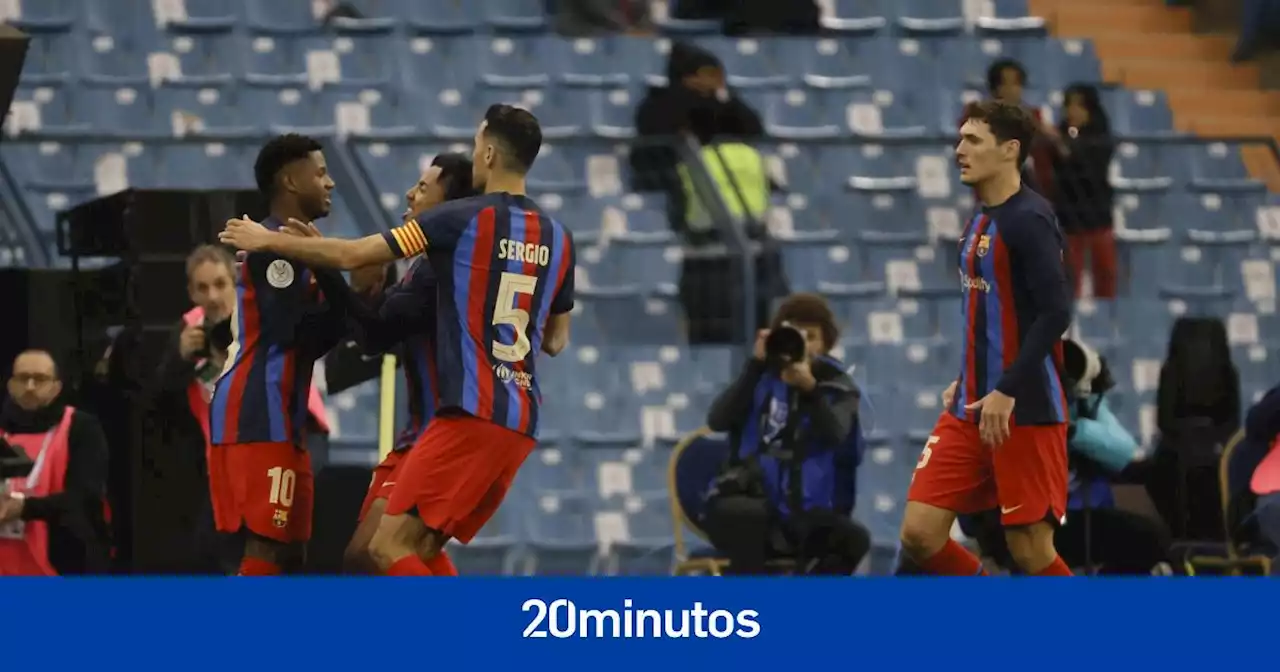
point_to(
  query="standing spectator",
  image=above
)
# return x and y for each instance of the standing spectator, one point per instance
(1082, 196)
(695, 101)
(1007, 81)
(789, 487)
(697, 104)
(51, 522)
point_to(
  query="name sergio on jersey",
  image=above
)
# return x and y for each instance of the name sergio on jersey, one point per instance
(971, 284)
(527, 253)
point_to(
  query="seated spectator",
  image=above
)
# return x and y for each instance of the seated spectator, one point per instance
(789, 487)
(1197, 411)
(52, 521)
(1083, 197)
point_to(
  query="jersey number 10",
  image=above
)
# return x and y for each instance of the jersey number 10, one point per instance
(505, 311)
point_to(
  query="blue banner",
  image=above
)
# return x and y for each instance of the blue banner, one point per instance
(657, 625)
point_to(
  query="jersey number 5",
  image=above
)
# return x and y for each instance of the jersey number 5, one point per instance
(510, 287)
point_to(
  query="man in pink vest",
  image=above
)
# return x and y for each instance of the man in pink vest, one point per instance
(52, 520)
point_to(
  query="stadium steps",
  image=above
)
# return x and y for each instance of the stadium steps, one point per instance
(1146, 44)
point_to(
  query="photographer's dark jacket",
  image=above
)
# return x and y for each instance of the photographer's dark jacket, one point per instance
(754, 409)
(64, 510)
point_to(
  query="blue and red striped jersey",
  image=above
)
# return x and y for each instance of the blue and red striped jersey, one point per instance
(503, 267)
(407, 317)
(280, 326)
(1016, 305)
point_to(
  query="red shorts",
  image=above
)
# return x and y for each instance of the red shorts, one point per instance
(1026, 477)
(265, 487)
(457, 473)
(383, 480)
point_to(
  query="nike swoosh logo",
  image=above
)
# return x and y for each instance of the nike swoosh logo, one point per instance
(1009, 509)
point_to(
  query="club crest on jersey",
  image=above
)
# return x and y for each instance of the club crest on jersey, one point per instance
(280, 274)
(281, 518)
(984, 244)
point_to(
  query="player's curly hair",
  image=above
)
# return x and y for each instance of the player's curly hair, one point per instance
(805, 308)
(517, 133)
(1007, 122)
(279, 152)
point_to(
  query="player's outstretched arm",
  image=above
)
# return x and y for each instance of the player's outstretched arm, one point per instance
(248, 235)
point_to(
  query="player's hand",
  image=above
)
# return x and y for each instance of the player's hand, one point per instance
(758, 350)
(10, 508)
(191, 341)
(295, 227)
(949, 394)
(241, 255)
(993, 426)
(800, 376)
(245, 234)
(369, 279)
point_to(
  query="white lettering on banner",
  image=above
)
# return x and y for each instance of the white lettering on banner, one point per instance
(562, 619)
(525, 253)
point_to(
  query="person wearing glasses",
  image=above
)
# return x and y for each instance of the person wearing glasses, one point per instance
(52, 521)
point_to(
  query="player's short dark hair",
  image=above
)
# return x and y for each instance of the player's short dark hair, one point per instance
(805, 308)
(517, 132)
(1007, 122)
(455, 173)
(995, 72)
(279, 152)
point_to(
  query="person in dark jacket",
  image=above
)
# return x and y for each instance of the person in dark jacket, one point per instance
(52, 521)
(1083, 197)
(695, 101)
(176, 416)
(789, 487)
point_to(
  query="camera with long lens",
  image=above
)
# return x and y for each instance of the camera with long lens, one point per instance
(784, 346)
(217, 338)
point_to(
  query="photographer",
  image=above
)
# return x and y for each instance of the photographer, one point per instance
(792, 417)
(177, 414)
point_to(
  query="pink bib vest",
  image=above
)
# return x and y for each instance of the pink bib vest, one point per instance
(24, 545)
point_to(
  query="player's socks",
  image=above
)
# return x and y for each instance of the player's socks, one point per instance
(250, 566)
(409, 565)
(1056, 568)
(441, 565)
(953, 560)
